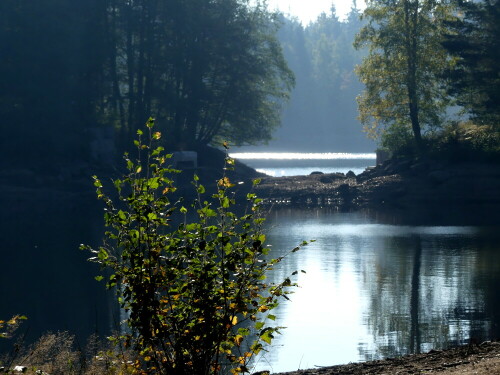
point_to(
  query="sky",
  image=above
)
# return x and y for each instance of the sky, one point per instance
(309, 10)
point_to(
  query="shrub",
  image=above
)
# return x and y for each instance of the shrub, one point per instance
(397, 139)
(192, 277)
(466, 142)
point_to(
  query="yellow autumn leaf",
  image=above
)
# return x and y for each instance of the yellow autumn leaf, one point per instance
(225, 182)
(263, 308)
(238, 339)
(234, 321)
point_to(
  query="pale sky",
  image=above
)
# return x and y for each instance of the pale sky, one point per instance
(309, 10)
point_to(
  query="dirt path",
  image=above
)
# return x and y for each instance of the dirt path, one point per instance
(483, 359)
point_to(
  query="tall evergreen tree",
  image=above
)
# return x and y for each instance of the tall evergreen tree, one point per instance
(473, 38)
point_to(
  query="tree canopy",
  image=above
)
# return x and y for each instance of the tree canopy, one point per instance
(473, 39)
(402, 73)
(204, 69)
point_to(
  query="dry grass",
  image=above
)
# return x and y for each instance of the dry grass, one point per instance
(59, 354)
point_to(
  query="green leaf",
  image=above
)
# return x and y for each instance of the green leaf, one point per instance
(153, 183)
(267, 336)
(102, 254)
(122, 215)
(99, 278)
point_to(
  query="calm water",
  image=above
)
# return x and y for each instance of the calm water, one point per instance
(374, 289)
(376, 285)
(296, 164)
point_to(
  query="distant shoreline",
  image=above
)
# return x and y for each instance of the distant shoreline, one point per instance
(401, 184)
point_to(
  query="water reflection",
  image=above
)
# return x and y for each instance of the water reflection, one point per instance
(44, 276)
(377, 290)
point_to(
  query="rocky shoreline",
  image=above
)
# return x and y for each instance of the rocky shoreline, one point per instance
(395, 183)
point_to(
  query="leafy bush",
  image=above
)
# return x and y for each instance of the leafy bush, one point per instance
(466, 142)
(397, 139)
(456, 141)
(191, 277)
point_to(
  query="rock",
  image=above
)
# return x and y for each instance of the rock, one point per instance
(316, 173)
(344, 189)
(326, 179)
(20, 368)
(350, 174)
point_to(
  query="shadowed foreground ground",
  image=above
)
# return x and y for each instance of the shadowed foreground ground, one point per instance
(478, 359)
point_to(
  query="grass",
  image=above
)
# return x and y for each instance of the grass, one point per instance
(59, 354)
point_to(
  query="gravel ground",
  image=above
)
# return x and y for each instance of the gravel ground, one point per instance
(482, 359)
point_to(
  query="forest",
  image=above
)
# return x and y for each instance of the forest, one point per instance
(79, 78)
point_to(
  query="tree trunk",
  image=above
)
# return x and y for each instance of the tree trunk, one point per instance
(411, 29)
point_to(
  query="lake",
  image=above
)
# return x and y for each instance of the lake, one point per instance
(278, 164)
(377, 284)
(381, 286)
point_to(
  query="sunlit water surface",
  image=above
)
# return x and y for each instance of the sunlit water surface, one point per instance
(376, 290)
(280, 164)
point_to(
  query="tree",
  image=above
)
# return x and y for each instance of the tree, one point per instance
(191, 277)
(473, 39)
(403, 70)
(204, 69)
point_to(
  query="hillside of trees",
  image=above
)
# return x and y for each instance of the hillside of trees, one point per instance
(321, 115)
(80, 77)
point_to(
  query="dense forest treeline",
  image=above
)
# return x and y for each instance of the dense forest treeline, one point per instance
(322, 112)
(80, 77)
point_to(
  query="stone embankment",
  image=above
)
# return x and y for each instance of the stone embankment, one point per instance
(395, 183)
